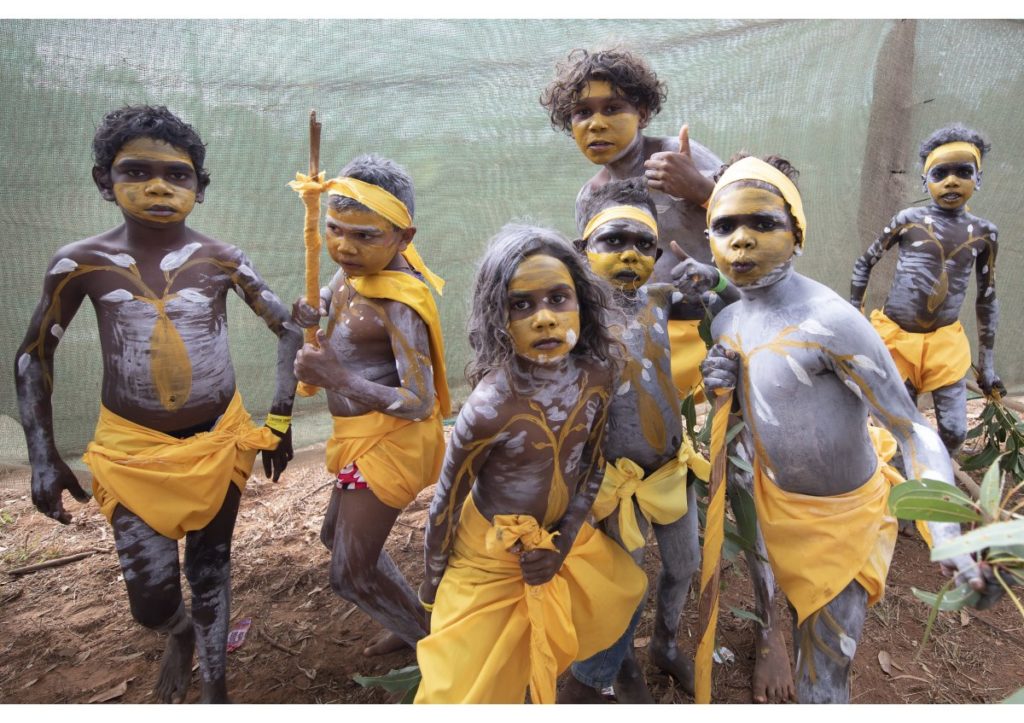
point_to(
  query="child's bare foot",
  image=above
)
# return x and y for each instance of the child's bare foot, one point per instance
(176, 668)
(773, 677)
(386, 642)
(630, 686)
(576, 692)
(667, 657)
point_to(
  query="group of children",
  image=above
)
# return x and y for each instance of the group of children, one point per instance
(570, 448)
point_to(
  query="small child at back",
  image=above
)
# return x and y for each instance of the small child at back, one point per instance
(381, 361)
(518, 583)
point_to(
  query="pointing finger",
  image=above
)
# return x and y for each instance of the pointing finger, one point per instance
(678, 251)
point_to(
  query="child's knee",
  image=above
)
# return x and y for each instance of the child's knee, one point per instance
(953, 433)
(349, 581)
(156, 612)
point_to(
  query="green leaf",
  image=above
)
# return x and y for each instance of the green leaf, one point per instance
(931, 500)
(998, 534)
(954, 599)
(743, 509)
(400, 680)
(991, 492)
(983, 459)
(1017, 698)
(741, 463)
(704, 330)
(747, 615)
(736, 429)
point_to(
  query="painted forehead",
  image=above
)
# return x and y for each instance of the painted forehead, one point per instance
(152, 149)
(358, 217)
(539, 272)
(737, 199)
(954, 155)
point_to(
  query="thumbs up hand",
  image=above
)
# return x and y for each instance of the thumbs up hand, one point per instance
(674, 172)
(691, 278)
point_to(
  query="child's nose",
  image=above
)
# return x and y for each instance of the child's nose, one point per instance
(544, 319)
(742, 239)
(630, 256)
(159, 186)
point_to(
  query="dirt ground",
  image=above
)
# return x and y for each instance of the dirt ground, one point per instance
(66, 634)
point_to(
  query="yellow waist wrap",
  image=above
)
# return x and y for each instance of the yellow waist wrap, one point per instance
(930, 360)
(688, 351)
(661, 496)
(398, 457)
(818, 545)
(174, 485)
(492, 635)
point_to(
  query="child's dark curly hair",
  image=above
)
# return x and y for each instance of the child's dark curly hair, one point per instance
(627, 192)
(144, 121)
(951, 134)
(787, 169)
(628, 74)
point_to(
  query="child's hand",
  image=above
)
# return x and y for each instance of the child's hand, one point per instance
(539, 566)
(48, 485)
(720, 369)
(320, 366)
(305, 315)
(691, 278)
(990, 382)
(275, 460)
(676, 174)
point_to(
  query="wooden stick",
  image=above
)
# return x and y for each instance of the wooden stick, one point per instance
(313, 249)
(55, 562)
(279, 646)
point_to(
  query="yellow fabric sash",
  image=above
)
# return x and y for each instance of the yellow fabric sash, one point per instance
(714, 537)
(174, 485)
(929, 360)
(954, 146)
(614, 212)
(398, 457)
(688, 351)
(492, 635)
(754, 169)
(818, 545)
(661, 496)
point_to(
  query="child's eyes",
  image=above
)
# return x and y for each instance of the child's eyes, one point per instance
(558, 299)
(645, 246)
(580, 114)
(722, 227)
(520, 305)
(765, 225)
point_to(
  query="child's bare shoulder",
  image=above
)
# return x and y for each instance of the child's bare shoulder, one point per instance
(598, 373)
(486, 408)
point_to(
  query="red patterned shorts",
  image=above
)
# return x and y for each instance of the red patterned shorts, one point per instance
(350, 478)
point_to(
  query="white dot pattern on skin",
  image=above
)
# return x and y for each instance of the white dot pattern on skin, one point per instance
(852, 386)
(118, 295)
(23, 361)
(869, 364)
(676, 297)
(989, 291)
(122, 260)
(887, 230)
(927, 219)
(917, 243)
(931, 439)
(812, 326)
(175, 259)
(244, 270)
(970, 228)
(623, 388)
(57, 330)
(193, 295)
(798, 371)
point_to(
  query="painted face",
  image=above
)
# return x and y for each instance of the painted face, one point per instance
(751, 233)
(604, 124)
(361, 242)
(623, 252)
(544, 316)
(952, 179)
(154, 181)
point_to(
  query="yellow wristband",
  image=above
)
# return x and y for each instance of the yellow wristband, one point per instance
(278, 422)
(429, 607)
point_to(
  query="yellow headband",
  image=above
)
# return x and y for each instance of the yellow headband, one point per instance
(955, 146)
(614, 212)
(373, 197)
(754, 169)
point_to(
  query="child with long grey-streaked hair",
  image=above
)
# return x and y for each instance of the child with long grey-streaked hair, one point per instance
(518, 585)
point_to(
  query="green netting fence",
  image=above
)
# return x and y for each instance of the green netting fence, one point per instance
(455, 102)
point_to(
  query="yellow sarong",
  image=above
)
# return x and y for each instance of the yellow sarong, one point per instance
(397, 457)
(174, 485)
(661, 496)
(818, 545)
(492, 635)
(688, 351)
(931, 360)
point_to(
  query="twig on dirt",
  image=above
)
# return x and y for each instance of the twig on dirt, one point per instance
(995, 628)
(276, 644)
(348, 613)
(12, 597)
(56, 562)
(326, 484)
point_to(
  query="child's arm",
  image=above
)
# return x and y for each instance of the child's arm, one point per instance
(254, 290)
(860, 359)
(410, 344)
(33, 377)
(694, 281)
(539, 566)
(987, 310)
(863, 265)
(467, 451)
